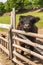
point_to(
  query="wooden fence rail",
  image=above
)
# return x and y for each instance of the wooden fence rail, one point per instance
(6, 26)
(4, 39)
(28, 42)
(27, 33)
(4, 49)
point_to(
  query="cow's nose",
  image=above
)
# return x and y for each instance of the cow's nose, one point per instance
(26, 25)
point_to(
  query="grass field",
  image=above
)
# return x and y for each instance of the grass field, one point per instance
(6, 19)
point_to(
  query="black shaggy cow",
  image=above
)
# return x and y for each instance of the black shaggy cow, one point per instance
(27, 24)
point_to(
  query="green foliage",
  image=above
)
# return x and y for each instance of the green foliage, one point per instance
(1, 8)
(34, 3)
(37, 3)
(40, 3)
(27, 4)
(7, 8)
(11, 3)
(20, 5)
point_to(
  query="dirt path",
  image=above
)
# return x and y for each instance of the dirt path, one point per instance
(4, 60)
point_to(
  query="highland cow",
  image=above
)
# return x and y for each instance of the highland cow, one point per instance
(27, 24)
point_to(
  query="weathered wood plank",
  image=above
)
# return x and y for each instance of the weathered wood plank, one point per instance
(29, 42)
(14, 25)
(1, 38)
(14, 18)
(10, 36)
(16, 61)
(6, 26)
(10, 32)
(10, 44)
(24, 58)
(28, 33)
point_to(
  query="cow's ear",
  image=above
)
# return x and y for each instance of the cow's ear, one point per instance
(21, 19)
(37, 19)
(34, 20)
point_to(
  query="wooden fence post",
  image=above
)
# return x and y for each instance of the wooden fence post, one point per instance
(13, 26)
(14, 18)
(10, 38)
(13, 22)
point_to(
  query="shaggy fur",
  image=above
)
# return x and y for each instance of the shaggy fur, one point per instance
(27, 24)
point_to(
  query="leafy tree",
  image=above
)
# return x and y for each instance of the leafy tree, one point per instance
(34, 3)
(19, 5)
(1, 8)
(11, 3)
(22, 4)
(7, 7)
(27, 4)
(40, 3)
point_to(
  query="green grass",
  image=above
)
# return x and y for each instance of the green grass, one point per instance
(6, 19)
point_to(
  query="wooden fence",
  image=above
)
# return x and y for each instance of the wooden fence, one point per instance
(10, 46)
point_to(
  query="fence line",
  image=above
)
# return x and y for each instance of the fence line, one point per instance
(29, 51)
(10, 47)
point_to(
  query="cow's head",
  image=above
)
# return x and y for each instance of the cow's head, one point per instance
(26, 22)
